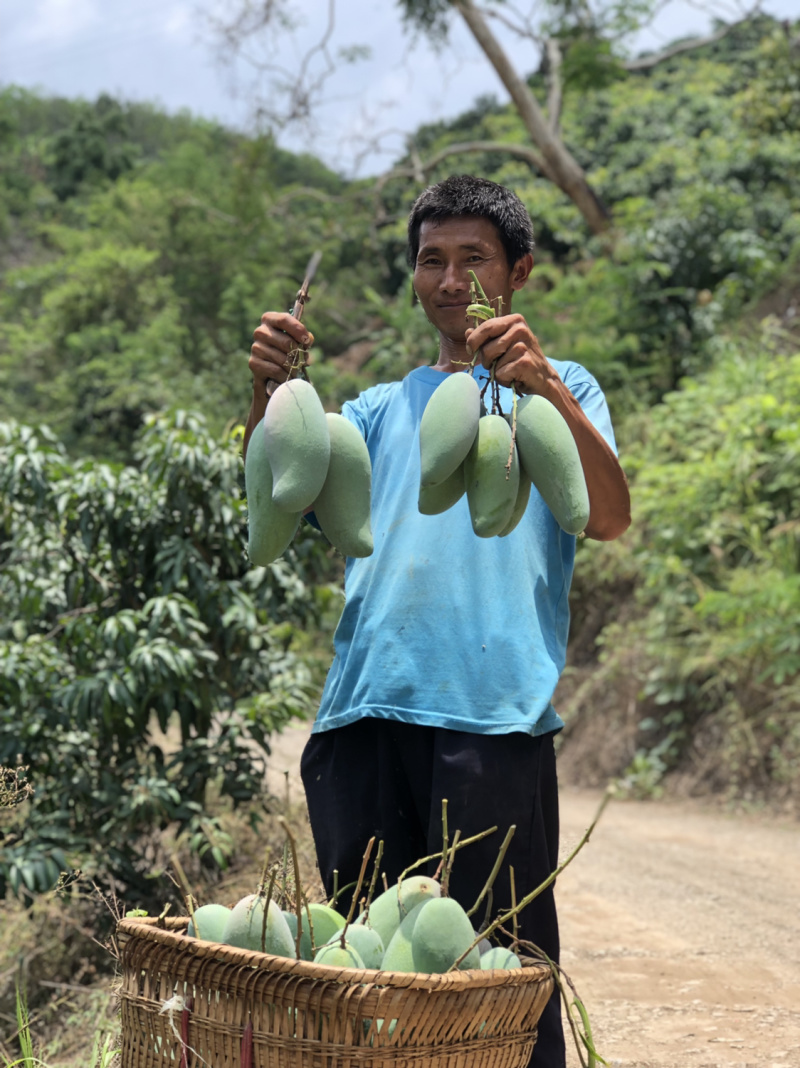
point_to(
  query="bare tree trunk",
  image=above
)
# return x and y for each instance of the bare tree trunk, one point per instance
(566, 172)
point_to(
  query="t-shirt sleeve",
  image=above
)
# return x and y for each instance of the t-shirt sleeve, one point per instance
(586, 390)
(358, 413)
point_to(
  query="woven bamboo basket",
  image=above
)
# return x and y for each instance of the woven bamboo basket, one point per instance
(189, 1004)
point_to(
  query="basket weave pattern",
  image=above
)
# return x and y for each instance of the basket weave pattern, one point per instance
(305, 1015)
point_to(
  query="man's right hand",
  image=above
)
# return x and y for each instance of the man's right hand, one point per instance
(278, 334)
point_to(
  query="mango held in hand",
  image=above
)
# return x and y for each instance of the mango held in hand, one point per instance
(443, 932)
(433, 500)
(521, 503)
(492, 483)
(549, 456)
(343, 505)
(298, 444)
(448, 427)
(269, 529)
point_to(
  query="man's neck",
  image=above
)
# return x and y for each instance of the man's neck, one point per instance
(452, 356)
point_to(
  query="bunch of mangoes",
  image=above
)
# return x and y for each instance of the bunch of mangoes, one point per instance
(495, 459)
(301, 459)
(408, 928)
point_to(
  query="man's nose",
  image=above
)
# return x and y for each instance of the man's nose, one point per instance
(454, 279)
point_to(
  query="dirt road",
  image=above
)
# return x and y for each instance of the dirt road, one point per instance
(680, 928)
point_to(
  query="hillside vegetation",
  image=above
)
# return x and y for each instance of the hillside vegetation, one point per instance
(139, 251)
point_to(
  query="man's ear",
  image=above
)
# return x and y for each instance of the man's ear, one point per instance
(521, 270)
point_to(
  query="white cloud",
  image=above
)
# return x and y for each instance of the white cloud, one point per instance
(59, 22)
(178, 21)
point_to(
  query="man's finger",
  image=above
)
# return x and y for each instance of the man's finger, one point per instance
(287, 324)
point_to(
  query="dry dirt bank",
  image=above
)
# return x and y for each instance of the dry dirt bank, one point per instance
(680, 927)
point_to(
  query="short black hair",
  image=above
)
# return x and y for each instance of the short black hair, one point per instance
(464, 194)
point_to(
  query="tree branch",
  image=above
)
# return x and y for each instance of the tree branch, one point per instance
(562, 168)
(554, 85)
(648, 62)
(420, 169)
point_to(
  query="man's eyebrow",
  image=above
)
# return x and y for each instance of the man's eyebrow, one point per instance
(469, 246)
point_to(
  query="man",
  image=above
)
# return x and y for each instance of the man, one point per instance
(450, 646)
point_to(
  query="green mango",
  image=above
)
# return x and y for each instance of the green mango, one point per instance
(549, 457)
(500, 957)
(306, 950)
(246, 929)
(334, 955)
(209, 922)
(491, 482)
(441, 934)
(270, 530)
(388, 909)
(298, 444)
(365, 941)
(399, 954)
(325, 922)
(520, 504)
(344, 502)
(448, 427)
(433, 500)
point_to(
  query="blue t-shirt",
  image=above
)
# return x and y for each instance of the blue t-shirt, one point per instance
(441, 627)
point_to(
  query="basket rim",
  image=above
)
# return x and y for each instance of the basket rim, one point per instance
(169, 932)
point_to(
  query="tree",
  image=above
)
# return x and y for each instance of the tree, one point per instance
(143, 663)
(581, 41)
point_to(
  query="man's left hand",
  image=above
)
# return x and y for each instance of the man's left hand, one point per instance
(509, 343)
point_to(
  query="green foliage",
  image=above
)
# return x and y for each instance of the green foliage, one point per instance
(715, 544)
(142, 663)
(93, 149)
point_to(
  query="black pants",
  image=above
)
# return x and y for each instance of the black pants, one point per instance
(377, 777)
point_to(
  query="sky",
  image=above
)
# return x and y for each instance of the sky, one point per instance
(163, 51)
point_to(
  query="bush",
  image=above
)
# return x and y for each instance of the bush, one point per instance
(142, 662)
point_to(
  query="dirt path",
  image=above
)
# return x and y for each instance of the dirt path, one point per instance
(681, 930)
(680, 927)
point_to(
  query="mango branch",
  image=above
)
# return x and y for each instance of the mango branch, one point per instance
(449, 864)
(359, 882)
(515, 922)
(511, 913)
(298, 895)
(438, 856)
(374, 879)
(445, 837)
(583, 1039)
(494, 872)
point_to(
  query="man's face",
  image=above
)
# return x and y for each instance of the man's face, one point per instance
(448, 249)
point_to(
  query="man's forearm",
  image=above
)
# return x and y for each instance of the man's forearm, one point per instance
(257, 408)
(609, 498)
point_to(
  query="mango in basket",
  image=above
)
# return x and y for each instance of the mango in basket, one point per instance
(325, 922)
(387, 911)
(336, 955)
(441, 934)
(306, 950)
(365, 941)
(247, 929)
(209, 922)
(398, 956)
(500, 957)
